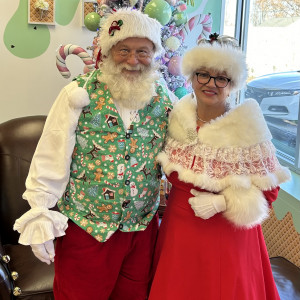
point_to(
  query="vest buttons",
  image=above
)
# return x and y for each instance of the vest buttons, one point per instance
(127, 182)
(127, 135)
(127, 157)
(121, 226)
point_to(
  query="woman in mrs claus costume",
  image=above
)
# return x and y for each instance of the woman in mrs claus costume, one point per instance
(225, 175)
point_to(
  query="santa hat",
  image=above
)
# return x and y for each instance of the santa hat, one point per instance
(220, 56)
(126, 23)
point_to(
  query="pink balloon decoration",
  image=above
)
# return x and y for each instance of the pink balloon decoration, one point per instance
(174, 65)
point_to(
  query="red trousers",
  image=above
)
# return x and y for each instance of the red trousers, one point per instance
(118, 269)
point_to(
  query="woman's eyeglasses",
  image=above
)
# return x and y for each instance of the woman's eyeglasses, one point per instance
(220, 81)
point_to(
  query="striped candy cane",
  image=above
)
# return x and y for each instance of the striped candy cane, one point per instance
(204, 20)
(72, 186)
(119, 155)
(81, 160)
(68, 49)
(111, 108)
(113, 185)
(143, 151)
(129, 174)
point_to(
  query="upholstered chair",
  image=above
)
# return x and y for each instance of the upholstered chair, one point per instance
(22, 275)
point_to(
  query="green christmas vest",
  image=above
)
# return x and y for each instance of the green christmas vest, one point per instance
(114, 177)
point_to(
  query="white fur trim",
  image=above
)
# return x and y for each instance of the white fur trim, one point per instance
(240, 127)
(135, 24)
(221, 58)
(245, 207)
(182, 120)
(240, 138)
(79, 98)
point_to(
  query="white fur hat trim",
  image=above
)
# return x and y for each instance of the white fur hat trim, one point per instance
(135, 24)
(221, 58)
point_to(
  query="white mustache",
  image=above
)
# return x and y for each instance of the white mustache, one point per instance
(133, 68)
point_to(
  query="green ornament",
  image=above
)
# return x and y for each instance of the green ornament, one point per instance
(91, 21)
(159, 10)
(180, 18)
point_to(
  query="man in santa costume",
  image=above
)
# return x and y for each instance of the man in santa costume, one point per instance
(96, 161)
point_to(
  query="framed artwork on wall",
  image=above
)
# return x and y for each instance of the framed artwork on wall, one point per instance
(88, 6)
(41, 12)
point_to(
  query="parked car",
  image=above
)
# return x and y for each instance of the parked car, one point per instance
(278, 95)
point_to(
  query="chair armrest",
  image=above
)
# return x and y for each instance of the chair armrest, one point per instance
(6, 285)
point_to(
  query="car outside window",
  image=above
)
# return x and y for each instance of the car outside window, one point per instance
(267, 35)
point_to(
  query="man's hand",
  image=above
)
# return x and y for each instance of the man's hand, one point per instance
(206, 205)
(44, 252)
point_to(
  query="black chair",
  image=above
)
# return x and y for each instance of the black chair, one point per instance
(22, 275)
(287, 278)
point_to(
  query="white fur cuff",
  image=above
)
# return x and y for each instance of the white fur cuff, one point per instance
(245, 207)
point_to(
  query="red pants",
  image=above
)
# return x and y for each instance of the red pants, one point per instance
(118, 269)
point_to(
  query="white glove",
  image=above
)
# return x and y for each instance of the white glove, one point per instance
(44, 252)
(206, 205)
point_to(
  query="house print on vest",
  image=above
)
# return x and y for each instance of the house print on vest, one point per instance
(108, 194)
(111, 120)
(130, 129)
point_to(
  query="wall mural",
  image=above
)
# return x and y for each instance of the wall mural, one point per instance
(32, 40)
(22, 39)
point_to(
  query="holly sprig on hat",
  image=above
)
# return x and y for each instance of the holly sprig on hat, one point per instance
(213, 37)
(115, 25)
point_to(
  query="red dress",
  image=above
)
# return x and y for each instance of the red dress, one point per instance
(209, 259)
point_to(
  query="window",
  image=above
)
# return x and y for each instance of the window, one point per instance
(268, 32)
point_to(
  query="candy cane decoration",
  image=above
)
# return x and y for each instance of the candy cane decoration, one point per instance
(143, 151)
(130, 174)
(113, 185)
(111, 108)
(204, 20)
(119, 155)
(68, 49)
(81, 160)
(72, 186)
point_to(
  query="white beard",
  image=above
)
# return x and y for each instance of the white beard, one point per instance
(133, 92)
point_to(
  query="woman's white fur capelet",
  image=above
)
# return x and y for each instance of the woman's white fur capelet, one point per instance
(232, 155)
(242, 126)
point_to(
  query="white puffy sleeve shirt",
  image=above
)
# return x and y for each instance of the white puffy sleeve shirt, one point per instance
(50, 167)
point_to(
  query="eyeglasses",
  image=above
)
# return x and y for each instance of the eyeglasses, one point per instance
(220, 81)
(139, 54)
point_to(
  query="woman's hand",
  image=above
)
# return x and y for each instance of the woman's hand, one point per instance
(206, 205)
